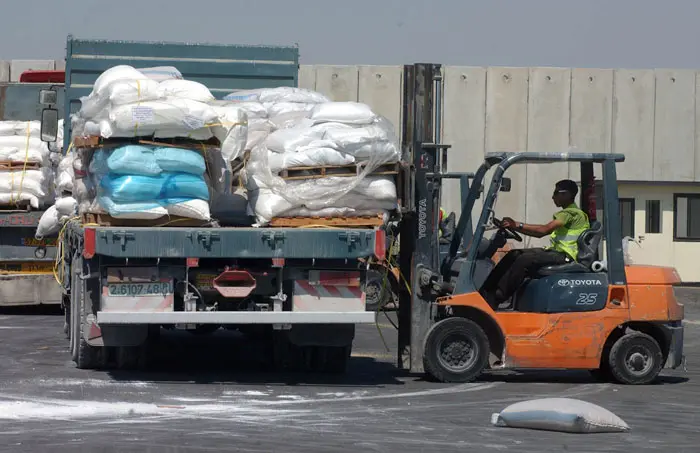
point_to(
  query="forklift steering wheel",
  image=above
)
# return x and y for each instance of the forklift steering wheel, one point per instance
(510, 233)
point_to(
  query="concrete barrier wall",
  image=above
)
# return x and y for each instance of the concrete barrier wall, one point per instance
(648, 115)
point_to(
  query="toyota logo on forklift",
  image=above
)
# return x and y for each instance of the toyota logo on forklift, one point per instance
(592, 282)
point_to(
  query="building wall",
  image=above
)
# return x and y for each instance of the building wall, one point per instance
(648, 115)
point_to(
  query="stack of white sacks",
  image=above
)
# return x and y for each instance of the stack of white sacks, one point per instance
(305, 129)
(20, 144)
(143, 181)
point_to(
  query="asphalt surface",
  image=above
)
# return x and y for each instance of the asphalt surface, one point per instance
(210, 394)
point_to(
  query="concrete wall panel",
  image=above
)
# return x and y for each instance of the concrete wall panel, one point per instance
(307, 77)
(591, 113)
(340, 83)
(17, 67)
(506, 130)
(548, 131)
(633, 123)
(380, 88)
(674, 126)
(464, 110)
(4, 71)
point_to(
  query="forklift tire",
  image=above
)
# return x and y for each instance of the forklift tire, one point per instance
(636, 359)
(456, 350)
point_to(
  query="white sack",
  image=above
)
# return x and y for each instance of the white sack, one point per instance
(19, 148)
(282, 108)
(20, 128)
(308, 156)
(9, 198)
(32, 182)
(560, 414)
(66, 206)
(119, 92)
(184, 89)
(280, 94)
(161, 73)
(114, 74)
(49, 223)
(342, 112)
(194, 209)
(171, 114)
(232, 131)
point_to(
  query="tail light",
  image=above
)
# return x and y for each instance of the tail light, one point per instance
(89, 243)
(234, 284)
(380, 244)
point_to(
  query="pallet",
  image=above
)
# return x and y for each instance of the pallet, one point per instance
(106, 220)
(344, 222)
(14, 165)
(18, 206)
(93, 141)
(298, 173)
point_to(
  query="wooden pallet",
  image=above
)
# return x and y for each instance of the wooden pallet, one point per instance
(18, 206)
(107, 220)
(14, 165)
(93, 141)
(298, 173)
(345, 222)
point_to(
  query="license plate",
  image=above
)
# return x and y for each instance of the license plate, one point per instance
(33, 242)
(140, 289)
(26, 268)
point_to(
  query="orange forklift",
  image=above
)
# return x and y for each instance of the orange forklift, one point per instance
(621, 322)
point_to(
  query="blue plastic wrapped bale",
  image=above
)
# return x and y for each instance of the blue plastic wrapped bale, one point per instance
(139, 188)
(147, 161)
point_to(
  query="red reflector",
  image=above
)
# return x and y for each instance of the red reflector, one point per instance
(380, 244)
(278, 262)
(192, 262)
(39, 76)
(89, 243)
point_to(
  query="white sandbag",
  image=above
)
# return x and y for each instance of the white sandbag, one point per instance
(66, 206)
(161, 73)
(282, 108)
(10, 198)
(290, 139)
(337, 212)
(560, 414)
(119, 92)
(173, 114)
(184, 89)
(23, 128)
(232, 131)
(84, 189)
(114, 74)
(290, 119)
(49, 223)
(308, 156)
(33, 182)
(193, 209)
(20, 148)
(280, 94)
(342, 112)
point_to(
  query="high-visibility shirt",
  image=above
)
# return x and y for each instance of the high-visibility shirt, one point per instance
(565, 238)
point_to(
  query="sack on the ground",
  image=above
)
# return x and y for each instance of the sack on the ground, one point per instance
(560, 414)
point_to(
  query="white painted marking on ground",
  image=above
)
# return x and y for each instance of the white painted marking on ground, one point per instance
(245, 393)
(13, 327)
(88, 383)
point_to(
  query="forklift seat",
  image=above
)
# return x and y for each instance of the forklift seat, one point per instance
(588, 244)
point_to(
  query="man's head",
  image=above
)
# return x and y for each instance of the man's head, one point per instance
(564, 193)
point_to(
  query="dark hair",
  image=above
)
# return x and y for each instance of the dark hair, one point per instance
(566, 185)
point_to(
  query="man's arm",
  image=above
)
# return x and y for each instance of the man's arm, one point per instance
(533, 230)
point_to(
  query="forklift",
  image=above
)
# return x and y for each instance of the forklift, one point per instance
(620, 322)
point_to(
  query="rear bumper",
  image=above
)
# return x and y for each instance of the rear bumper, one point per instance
(235, 317)
(674, 335)
(29, 289)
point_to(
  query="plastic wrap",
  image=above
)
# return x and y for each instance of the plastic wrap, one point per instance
(232, 130)
(20, 148)
(280, 94)
(324, 144)
(165, 186)
(147, 161)
(32, 182)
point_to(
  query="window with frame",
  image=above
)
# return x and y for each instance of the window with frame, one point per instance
(686, 217)
(653, 217)
(627, 216)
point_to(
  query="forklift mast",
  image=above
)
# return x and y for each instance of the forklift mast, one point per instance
(427, 160)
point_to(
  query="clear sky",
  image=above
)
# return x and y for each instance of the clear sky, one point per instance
(568, 33)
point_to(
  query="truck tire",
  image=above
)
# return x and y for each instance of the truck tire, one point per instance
(377, 290)
(456, 350)
(636, 359)
(286, 356)
(82, 292)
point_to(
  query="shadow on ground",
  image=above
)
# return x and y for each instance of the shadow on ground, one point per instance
(33, 310)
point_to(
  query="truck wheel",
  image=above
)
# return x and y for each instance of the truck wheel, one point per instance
(377, 291)
(456, 350)
(333, 359)
(84, 355)
(636, 359)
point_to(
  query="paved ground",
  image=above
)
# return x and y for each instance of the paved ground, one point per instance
(208, 394)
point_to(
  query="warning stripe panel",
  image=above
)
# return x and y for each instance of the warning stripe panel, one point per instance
(310, 297)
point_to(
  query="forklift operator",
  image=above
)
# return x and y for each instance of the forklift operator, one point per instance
(565, 228)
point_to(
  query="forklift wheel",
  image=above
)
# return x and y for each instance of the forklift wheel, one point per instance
(456, 350)
(636, 359)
